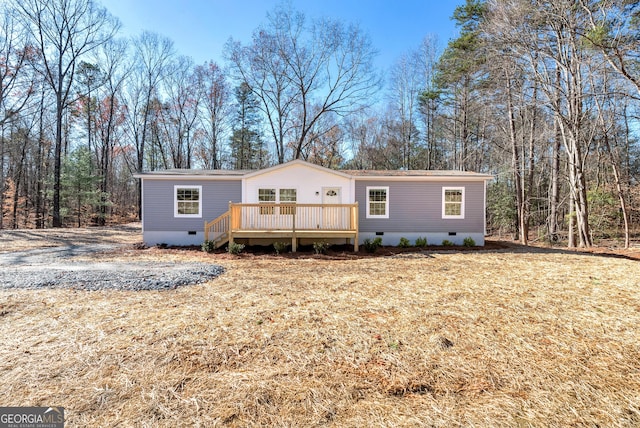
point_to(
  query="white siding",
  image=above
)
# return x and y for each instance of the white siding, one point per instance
(307, 181)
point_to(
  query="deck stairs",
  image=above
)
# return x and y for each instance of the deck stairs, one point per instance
(217, 230)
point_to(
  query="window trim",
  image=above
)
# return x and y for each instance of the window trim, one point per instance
(444, 203)
(175, 200)
(287, 210)
(277, 193)
(295, 194)
(386, 207)
(268, 210)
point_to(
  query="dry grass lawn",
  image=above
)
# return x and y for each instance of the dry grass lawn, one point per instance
(27, 239)
(495, 338)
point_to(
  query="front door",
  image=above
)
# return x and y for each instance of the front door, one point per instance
(333, 217)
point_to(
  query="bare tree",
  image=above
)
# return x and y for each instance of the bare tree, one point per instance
(183, 100)
(405, 85)
(214, 93)
(612, 28)
(260, 66)
(63, 32)
(546, 37)
(301, 72)
(362, 135)
(326, 143)
(152, 54)
(110, 116)
(565, 51)
(16, 82)
(428, 99)
(515, 88)
(607, 104)
(16, 87)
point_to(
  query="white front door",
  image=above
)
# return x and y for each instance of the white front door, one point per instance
(331, 195)
(333, 217)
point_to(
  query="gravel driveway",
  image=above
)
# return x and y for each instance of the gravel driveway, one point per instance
(58, 267)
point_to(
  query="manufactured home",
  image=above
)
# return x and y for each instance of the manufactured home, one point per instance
(300, 203)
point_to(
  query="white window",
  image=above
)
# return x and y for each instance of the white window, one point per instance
(377, 202)
(273, 196)
(266, 196)
(187, 201)
(453, 202)
(288, 196)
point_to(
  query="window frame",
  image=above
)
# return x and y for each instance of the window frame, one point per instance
(268, 210)
(386, 202)
(288, 210)
(176, 202)
(277, 193)
(461, 203)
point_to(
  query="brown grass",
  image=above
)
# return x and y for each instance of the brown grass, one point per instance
(27, 239)
(498, 338)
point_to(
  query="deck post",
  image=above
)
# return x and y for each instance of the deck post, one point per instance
(294, 238)
(356, 227)
(230, 226)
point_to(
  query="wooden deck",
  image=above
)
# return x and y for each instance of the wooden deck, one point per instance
(285, 221)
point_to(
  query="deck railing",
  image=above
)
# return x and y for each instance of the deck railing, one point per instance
(268, 220)
(293, 217)
(217, 230)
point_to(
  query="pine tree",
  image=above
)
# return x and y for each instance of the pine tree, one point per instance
(246, 141)
(459, 77)
(79, 184)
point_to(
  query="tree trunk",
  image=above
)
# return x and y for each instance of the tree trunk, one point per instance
(620, 192)
(57, 161)
(515, 164)
(2, 178)
(39, 208)
(572, 218)
(554, 197)
(18, 180)
(528, 180)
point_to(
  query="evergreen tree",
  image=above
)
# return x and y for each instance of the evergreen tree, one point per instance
(246, 142)
(79, 184)
(460, 75)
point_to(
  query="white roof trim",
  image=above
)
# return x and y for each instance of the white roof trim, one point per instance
(242, 175)
(423, 178)
(189, 177)
(297, 162)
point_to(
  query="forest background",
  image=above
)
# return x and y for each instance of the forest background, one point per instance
(541, 94)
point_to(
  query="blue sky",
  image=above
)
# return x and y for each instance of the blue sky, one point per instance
(200, 28)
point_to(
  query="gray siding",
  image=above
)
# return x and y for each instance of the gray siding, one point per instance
(159, 202)
(417, 207)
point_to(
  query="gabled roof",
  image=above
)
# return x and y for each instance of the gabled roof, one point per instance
(297, 162)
